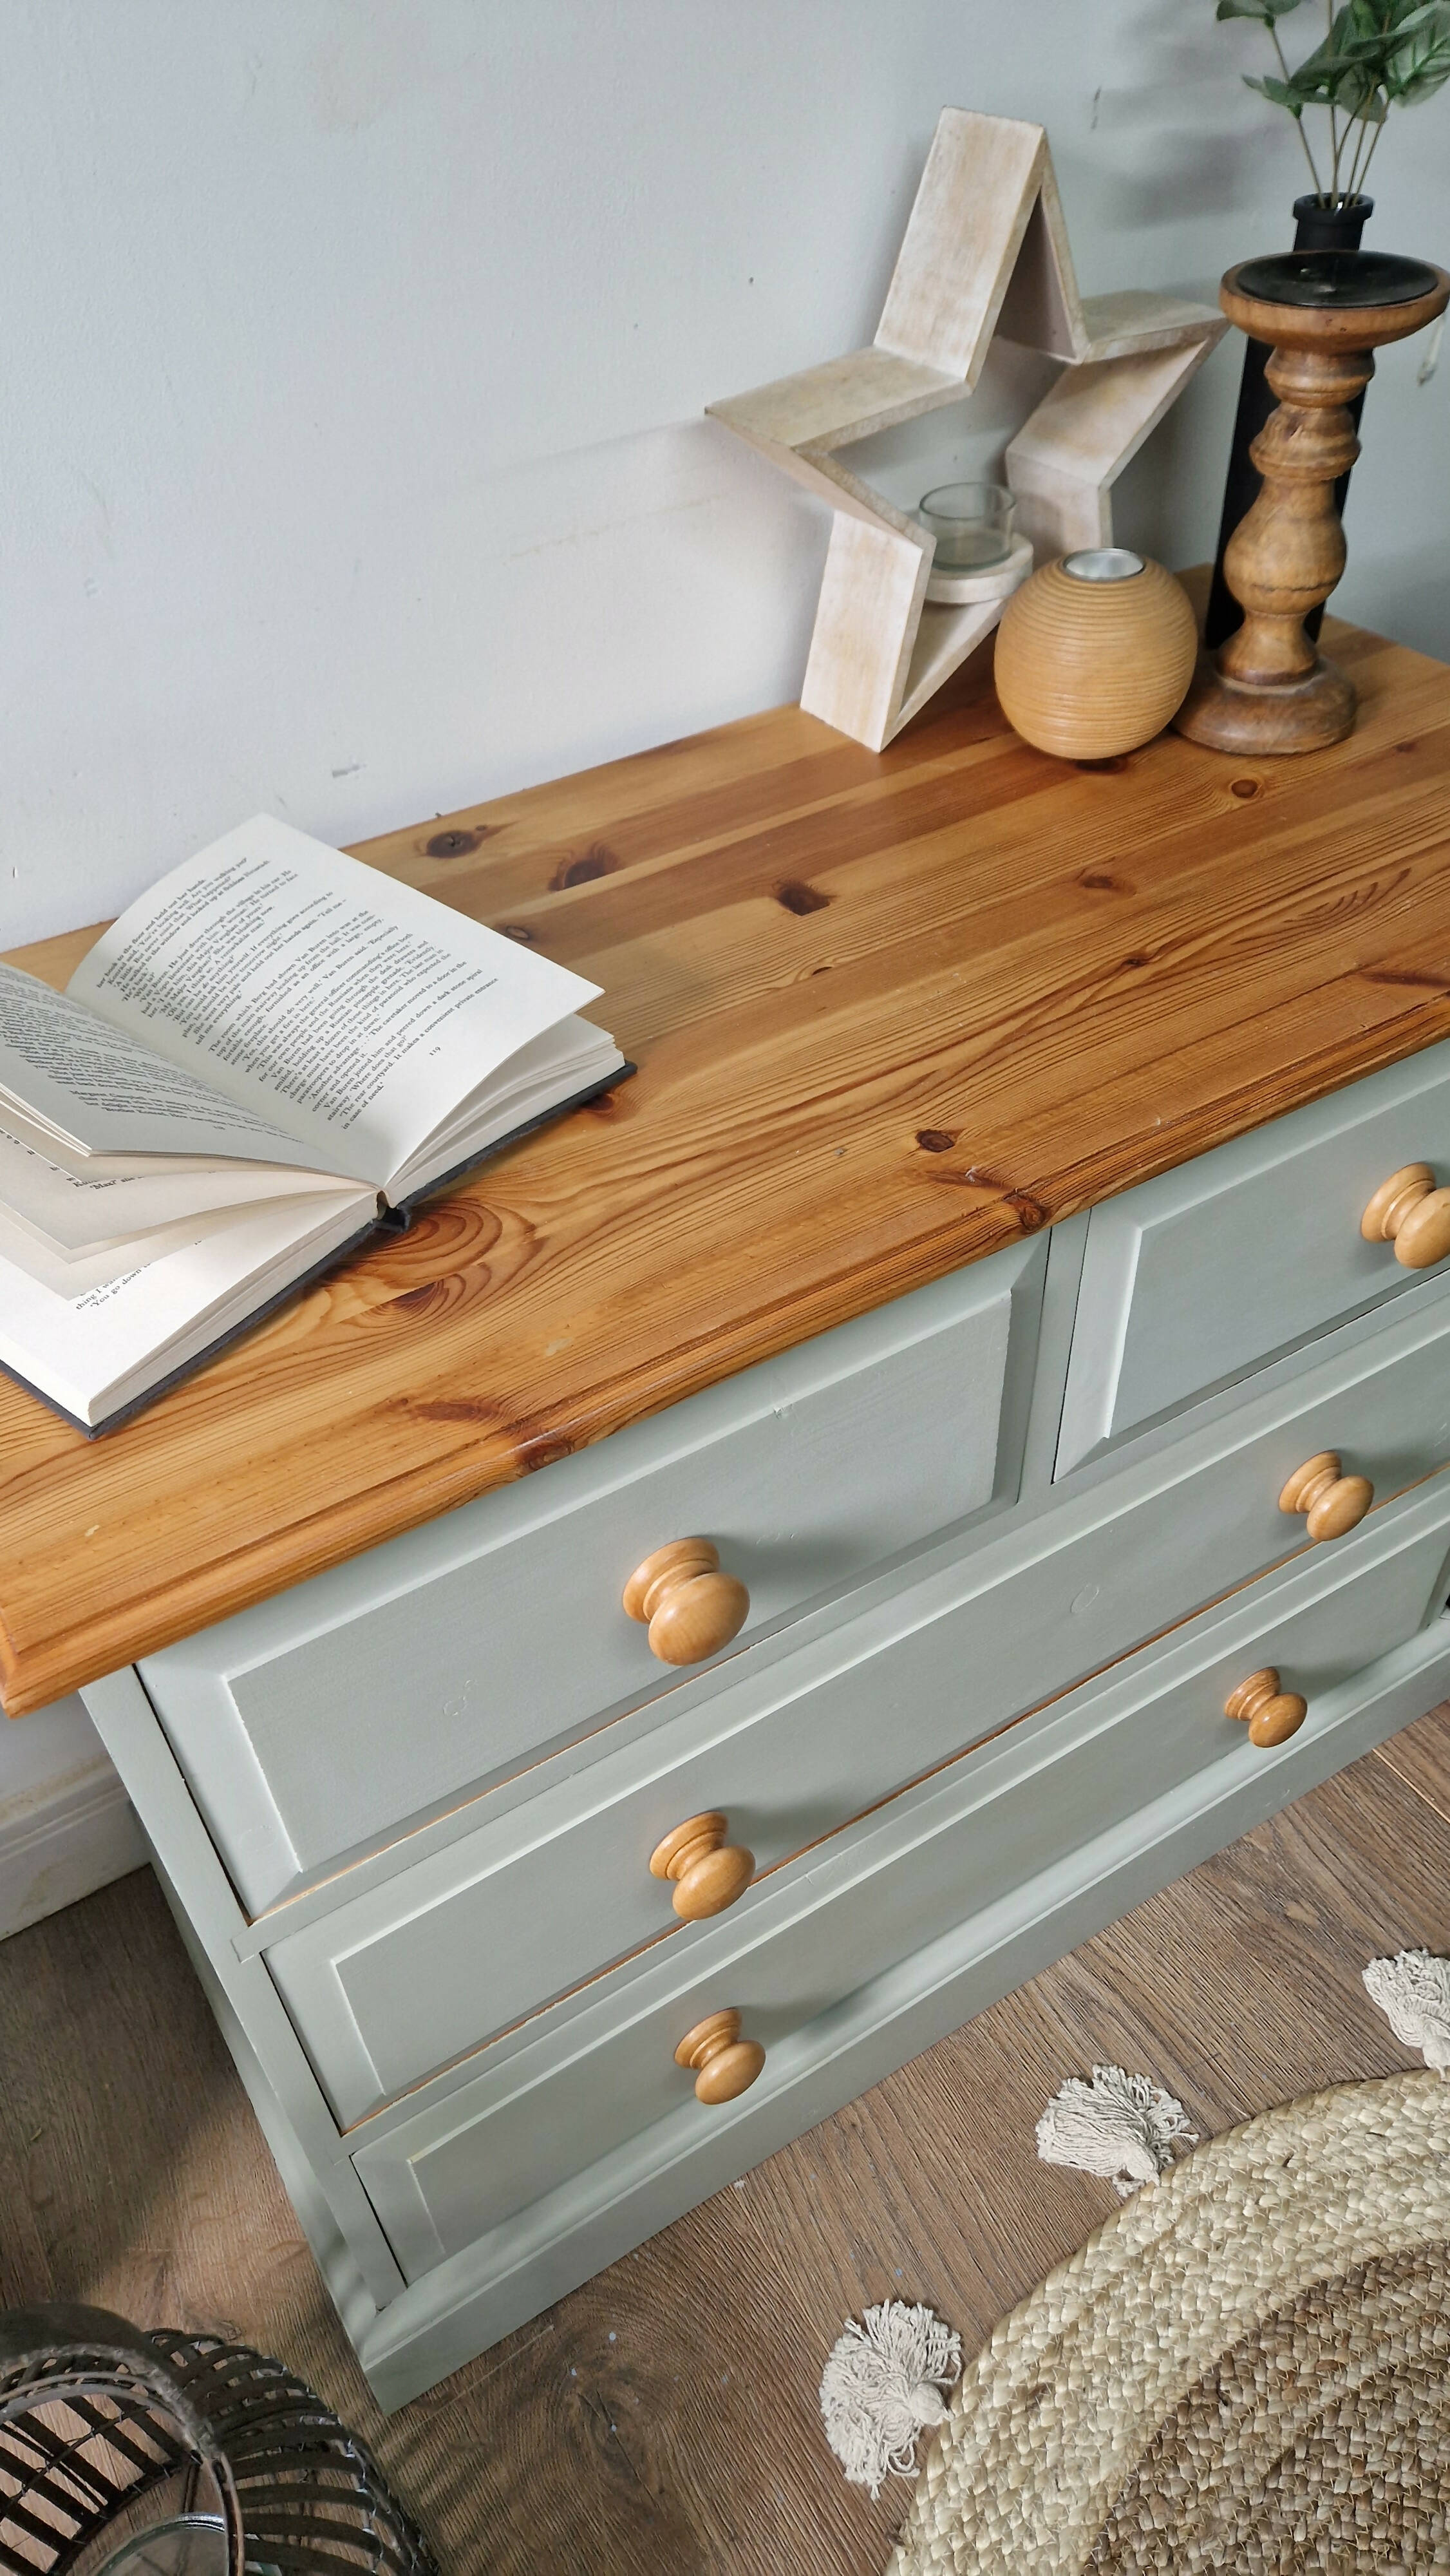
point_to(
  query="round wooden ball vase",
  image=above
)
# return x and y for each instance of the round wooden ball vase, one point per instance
(1268, 689)
(1094, 654)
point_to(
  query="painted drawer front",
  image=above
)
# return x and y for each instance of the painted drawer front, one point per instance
(427, 1965)
(1197, 1278)
(322, 1722)
(602, 2076)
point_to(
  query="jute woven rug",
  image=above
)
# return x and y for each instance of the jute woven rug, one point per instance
(1246, 2368)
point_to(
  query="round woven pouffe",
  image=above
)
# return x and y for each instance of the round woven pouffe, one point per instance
(1246, 2368)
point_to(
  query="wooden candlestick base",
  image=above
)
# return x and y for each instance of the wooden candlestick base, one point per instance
(1255, 718)
(1267, 689)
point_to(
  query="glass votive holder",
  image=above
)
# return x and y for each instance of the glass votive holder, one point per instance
(971, 522)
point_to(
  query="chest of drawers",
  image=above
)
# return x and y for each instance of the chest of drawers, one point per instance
(976, 1311)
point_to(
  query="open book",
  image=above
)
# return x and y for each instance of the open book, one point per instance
(273, 1052)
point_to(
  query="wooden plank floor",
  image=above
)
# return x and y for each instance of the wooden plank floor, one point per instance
(662, 2421)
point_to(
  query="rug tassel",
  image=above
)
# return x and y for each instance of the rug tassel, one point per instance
(882, 2387)
(1413, 1993)
(1120, 2126)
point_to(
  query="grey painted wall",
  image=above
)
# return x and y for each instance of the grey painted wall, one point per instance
(351, 459)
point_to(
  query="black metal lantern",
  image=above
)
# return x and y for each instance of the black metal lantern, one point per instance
(185, 2453)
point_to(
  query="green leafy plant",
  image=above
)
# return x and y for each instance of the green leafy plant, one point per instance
(1376, 54)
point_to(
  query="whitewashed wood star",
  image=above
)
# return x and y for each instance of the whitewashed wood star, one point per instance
(986, 250)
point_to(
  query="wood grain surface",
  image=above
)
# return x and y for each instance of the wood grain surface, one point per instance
(890, 1011)
(663, 2420)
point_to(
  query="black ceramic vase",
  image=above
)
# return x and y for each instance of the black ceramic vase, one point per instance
(1318, 227)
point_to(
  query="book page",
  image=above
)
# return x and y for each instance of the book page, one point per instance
(565, 1061)
(321, 993)
(71, 1274)
(107, 1091)
(79, 1211)
(96, 1351)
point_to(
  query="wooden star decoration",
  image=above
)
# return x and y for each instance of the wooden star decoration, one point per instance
(986, 250)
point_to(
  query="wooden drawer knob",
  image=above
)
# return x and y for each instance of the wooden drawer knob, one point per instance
(1273, 1715)
(708, 1872)
(1330, 1501)
(724, 2064)
(690, 1608)
(1408, 1211)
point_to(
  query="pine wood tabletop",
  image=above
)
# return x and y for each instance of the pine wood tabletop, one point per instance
(891, 1011)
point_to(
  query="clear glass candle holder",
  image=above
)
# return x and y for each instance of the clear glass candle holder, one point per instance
(971, 522)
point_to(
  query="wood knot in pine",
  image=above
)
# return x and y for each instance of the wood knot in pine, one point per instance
(451, 1229)
(581, 867)
(454, 844)
(801, 898)
(1101, 881)
(434, 1297)
(1030, 1213)
(936, 1140)
(440, 1261)
(543, 1449)
(1244, 788)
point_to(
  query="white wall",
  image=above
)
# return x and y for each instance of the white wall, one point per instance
(65, 1823)
(351, 458)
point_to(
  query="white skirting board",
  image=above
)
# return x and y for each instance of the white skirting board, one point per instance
(63, 1839)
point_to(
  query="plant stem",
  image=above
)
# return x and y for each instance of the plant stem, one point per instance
(1369, 135)
(1369, 156)
(1299, 121)
(1336, 146)
(1336, 140)
(1335, 130)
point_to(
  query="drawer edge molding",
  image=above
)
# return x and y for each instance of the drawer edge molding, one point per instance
(481, 2293)
(369, 1702)
(1196, 1280)
(1416, 1527)
(890, 1604)
(390, 1987)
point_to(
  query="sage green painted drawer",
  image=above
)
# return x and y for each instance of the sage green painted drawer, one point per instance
(415, 1970)
(325, 1721)
(1194, 1280)
(601, 2080)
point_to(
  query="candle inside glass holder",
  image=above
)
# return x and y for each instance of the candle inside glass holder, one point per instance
(971, 522)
